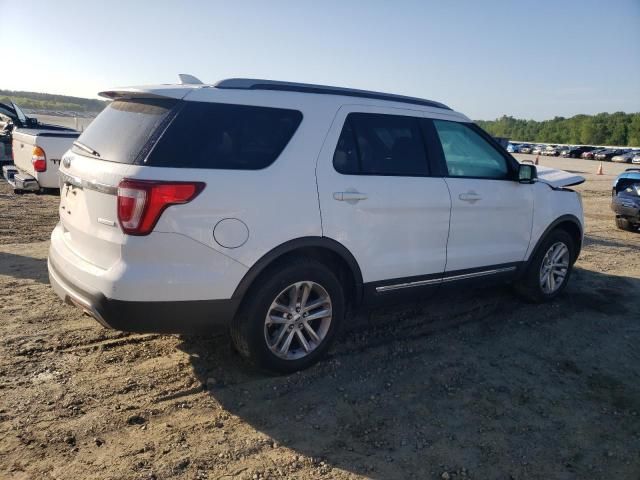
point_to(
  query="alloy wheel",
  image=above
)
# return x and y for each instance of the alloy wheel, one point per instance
(298, 320)
(554, 268)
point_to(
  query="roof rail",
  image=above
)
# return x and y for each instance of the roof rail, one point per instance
(257, 84)
(632, 169)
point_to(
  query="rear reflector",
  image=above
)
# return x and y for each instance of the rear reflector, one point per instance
(141, 202)
(39, 159)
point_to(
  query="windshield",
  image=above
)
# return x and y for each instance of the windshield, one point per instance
(122, 131)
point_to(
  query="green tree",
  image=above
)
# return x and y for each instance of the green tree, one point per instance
(618, 128)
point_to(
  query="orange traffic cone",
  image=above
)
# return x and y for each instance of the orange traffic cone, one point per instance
(536, 162)
(600, 172)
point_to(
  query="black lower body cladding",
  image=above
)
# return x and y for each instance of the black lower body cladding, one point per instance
(197, 316)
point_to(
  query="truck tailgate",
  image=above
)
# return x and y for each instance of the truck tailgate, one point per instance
(54, 144)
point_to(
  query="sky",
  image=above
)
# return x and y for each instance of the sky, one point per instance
(529, 59)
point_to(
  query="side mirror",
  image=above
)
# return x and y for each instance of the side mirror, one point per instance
(527, 173)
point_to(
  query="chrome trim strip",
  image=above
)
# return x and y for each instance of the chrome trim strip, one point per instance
(478, 274)
(398, 286)
(88, 184)
(453, 278)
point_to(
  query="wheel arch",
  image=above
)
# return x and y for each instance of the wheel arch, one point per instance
(324, 249)
(570, 224)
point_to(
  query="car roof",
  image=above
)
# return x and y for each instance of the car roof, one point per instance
(259, 84)
(339, 94)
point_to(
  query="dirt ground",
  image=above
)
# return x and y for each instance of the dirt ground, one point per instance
(477, 385)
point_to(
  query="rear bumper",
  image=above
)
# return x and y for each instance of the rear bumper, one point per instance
(191, 316)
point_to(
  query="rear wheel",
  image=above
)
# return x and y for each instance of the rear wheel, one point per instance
(624, 224)
(548, 272)
(290, 316)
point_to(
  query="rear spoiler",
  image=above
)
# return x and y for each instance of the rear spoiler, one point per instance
(177, 92)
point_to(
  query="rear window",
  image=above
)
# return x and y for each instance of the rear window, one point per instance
(224, 136)
(123, 130)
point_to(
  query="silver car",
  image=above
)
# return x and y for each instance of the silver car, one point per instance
(625, 157)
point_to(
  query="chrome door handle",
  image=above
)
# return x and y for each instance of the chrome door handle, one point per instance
(470, 197)
(349, 196)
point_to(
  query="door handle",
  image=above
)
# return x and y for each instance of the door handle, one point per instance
(349, 196)
(471, 197)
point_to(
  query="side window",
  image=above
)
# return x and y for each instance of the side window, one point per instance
(376, 144)
(467, 154)
(225, 136)
(345, 158)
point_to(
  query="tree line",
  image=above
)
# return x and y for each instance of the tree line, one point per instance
(602, 129)
(46, 101)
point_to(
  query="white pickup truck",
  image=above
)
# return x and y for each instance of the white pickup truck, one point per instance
(37, 151)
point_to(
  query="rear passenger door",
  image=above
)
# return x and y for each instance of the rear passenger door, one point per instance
(378, 198)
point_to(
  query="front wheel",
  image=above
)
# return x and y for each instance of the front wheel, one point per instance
(624, 224)
(290, 316)
(548, 271)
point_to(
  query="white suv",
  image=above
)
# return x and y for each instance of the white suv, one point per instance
(275, 208)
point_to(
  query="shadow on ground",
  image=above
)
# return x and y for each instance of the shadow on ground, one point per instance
(23, 267)
(602, 241)
(476, 383)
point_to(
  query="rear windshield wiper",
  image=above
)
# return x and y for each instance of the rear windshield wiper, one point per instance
(90, 150)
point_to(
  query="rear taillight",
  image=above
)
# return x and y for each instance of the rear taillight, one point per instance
(141, 202)
(39, 159)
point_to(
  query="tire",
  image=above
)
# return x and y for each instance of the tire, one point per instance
(530, 285)
(250, 331)
(624, 224)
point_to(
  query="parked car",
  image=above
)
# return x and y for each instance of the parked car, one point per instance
(275, 208)
(6, 154)
(513, 148)
(8, 121)
(36, 151)
(609, 153)
(576, 152)
(624, 157)
(538, 149)
(590, 155)
(625, 199)
(636, 158)
(551, 151)
(564, 150)
(525, 148)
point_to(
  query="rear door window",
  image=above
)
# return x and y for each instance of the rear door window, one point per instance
(125, 128)
(224, 136)
(378, 144)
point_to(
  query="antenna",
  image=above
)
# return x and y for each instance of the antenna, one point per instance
(186, 79)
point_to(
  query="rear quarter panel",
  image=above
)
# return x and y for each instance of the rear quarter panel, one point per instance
(277, 204)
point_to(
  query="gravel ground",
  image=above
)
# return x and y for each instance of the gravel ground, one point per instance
(477, 385)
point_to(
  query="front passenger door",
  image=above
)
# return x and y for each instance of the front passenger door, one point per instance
(491, 212)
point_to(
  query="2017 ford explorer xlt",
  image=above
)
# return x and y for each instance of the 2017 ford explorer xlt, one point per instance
(275, 208)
